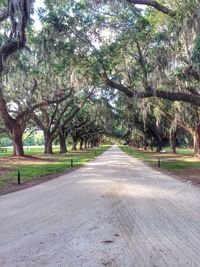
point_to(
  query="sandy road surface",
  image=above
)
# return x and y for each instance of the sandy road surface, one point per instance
(115, 211)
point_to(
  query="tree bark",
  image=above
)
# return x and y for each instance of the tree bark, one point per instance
(74, 145)
(151, 145)
(19, 19)
(62, 141)
(196, 139)
(81, 144)
(85, 144)
(90, 145)
(16, 135)
(145, 145)
(172, 139)
(48, 144)
(15, 127)
(159, 146)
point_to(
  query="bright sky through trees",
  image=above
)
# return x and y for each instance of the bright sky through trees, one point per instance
(38, 4)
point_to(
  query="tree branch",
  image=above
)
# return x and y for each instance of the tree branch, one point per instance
(180, 123)
(155, 5)
(18, 13)
(43, 103)
(53, 115)
(4, 15)
(38, 122)
(8, 120)
(173, 96)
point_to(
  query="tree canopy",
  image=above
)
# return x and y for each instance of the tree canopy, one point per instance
(125, 69)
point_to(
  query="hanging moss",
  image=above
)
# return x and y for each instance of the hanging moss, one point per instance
(196, 53)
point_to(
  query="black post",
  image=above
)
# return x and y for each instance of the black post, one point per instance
(95, 153)
(19, 177)
(71, 162)
(158, 162)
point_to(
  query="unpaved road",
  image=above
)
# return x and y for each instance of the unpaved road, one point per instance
(115, 211)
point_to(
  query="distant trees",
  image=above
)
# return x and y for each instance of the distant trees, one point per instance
(54, 121)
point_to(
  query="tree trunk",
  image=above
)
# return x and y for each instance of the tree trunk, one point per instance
(159, 147)
(62, 141)
(85, 144)
(74, 145)
(196, 139)
(97, 144)
(172, 139)
(159, 144)
(48, 144)
(145, 145)
(90, 145)
(16, 136)
(151, 145)
(81, 144)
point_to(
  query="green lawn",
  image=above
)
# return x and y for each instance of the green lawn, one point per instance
(28, 151)
(183, 159)
(41, 165)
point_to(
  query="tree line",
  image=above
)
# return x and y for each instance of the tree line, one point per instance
(95, 62)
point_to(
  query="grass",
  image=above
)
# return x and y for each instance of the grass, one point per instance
(27, 150)
(42, 165)
(183, 159)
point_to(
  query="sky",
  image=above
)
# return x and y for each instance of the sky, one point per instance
(38, 4)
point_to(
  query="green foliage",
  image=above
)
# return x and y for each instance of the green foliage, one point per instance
(35, 138)
(5, 141)
(80, 42)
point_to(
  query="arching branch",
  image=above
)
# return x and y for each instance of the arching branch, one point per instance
(153, 4)
(168, 95)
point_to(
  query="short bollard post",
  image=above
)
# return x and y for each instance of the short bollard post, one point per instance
(19, 177)
(95, 153)
(72, 163)
(159, 163)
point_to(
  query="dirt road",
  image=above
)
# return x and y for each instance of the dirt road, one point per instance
(115, 211)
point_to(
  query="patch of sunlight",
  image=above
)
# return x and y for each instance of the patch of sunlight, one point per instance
(94, 181)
